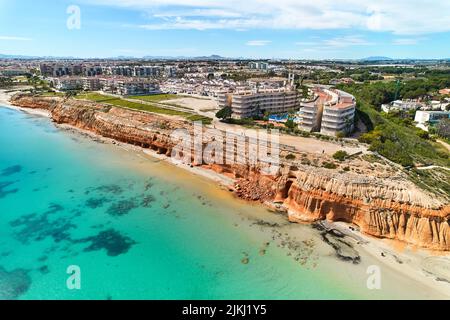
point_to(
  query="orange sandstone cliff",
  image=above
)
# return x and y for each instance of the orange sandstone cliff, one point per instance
(384, 206)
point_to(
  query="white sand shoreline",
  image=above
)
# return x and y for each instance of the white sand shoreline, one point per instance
(415, 264)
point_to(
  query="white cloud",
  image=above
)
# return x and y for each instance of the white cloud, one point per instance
(406, 41)
(399, 17)
(13, 38)
(258, 43)
(334, 43)
(199, 13)
(347, 41)
(306, 43)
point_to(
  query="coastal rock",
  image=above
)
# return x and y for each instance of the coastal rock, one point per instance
(380, 206)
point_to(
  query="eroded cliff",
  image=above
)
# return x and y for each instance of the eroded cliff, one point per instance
(385, 206)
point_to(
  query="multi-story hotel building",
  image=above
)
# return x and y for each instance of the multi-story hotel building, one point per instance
(339, 114)
(329, 112)
(131, 87)
(60, 69)
(67, 83)
(249, 103)
(91, 84)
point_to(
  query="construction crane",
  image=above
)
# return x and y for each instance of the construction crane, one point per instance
(397, 89)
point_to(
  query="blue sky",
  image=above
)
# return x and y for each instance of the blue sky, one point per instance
(318, 29)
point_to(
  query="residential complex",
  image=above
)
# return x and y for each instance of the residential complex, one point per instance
(264, 66)
(401, 105)
(249, 103)
(91, 70)
(425, 118)
(130, 87)
(116, 85)
(329, 111)
(408, 105)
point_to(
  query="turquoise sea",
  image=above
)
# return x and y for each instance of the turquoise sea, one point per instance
(139, 228)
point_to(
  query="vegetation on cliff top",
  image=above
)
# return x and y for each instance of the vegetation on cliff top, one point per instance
(119, 102)
(396, 137)
(155, 97)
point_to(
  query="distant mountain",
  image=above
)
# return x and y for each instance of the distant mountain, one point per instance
(376, 58)
(211, 57)
(10, 56)
(22, 57)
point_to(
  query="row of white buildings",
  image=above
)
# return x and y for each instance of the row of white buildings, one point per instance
(217, 87)
(87, 70)
(412, 105)
(115, 85)
(200, 87)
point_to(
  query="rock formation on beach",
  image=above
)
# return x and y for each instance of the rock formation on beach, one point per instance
(380, 200)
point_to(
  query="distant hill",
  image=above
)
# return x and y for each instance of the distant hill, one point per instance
(211, 57)
(377, 58)
(14, 56)
(9, 56)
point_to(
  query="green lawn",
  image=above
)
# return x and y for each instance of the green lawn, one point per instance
(155, 97)
(51, 94)
(96, 97)
(119, 102)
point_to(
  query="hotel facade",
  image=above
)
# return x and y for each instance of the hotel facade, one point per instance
(329, 112)
(249, 103)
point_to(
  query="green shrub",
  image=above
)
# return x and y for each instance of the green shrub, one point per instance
(340, 155)
(224, 113)
(290, 156)
(341, 134)
(329, 165)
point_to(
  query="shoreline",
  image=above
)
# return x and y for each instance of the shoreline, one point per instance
(200, 171)
(383, 250)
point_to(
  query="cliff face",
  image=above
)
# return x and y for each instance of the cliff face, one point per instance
(400, 212)
(385, 208)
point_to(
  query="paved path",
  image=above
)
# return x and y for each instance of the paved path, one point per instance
(433, 167)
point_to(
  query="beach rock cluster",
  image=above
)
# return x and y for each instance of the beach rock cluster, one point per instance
(380, 206)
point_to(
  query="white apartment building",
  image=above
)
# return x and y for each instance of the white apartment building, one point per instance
(76, 83)
(330, 112)
(148, 71)
(211, 88)
(425, 118)
(67, 83)
(248, 103)
(339, 114)
(135, 87)
(401, 105)
(91, 84)
(263, 66)
(310, 115)
(92, 71)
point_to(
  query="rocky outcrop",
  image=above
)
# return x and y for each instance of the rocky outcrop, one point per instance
(381, 207)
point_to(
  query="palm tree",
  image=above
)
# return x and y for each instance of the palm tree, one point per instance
(70, 94)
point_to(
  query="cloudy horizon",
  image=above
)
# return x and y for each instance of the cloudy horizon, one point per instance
(297, 29)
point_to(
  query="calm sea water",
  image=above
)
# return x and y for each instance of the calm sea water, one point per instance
(139, 228)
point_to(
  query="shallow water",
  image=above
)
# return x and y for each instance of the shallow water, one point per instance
(139, 228)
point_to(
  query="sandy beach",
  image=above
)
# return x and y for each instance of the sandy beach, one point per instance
(400, 265)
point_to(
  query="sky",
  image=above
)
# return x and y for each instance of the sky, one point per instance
(290, 29)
